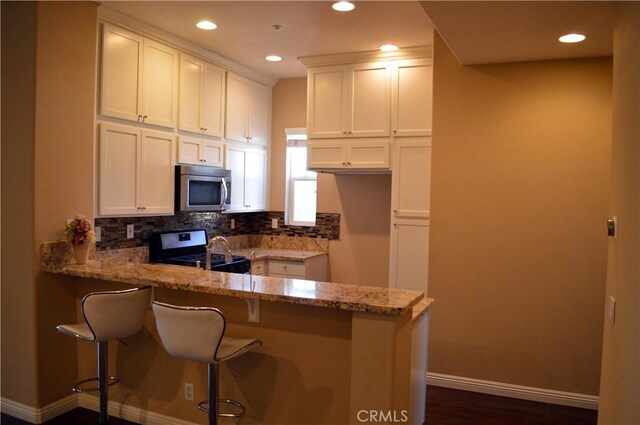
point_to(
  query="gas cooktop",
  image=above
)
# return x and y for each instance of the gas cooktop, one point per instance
(188, 248)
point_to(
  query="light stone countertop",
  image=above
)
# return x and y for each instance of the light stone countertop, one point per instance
(278, 254)
(306, 292)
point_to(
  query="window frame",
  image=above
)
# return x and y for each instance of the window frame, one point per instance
(296, 138)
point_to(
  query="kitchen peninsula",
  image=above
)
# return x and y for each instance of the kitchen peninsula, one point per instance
(329, 350)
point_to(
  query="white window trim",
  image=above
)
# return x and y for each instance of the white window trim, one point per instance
(296, 137)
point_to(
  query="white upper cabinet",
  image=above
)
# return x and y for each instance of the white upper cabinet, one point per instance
(247, 114)
(202, 95)
(349, 101)
(136, 173)
(412, 98)
(248, 178)
(200, 151)
(139, 78)
(345, 155)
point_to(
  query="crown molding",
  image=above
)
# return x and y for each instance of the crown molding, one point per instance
(106, 14)
(404, 53)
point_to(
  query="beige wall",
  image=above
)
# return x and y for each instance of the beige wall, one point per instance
(48, 107)
(361, 256)
(520, 191)
(19, 381)
(620, 383)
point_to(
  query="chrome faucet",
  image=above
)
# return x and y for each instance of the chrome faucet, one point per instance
(210, 250)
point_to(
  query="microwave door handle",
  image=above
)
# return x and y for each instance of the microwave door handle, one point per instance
(224, 194)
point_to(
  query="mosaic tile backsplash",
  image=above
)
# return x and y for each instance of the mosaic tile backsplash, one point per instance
(113, 230)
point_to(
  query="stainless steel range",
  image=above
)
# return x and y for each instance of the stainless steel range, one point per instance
(187, 248)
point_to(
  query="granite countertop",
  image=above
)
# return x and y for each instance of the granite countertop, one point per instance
(278, 254)
(313, 293)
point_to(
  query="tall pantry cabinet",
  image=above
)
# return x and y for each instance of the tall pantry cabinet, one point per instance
(375, 117)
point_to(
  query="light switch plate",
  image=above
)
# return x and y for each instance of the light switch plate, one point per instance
(274, 223)
(98, 231)
(233, 223)
(129, 231)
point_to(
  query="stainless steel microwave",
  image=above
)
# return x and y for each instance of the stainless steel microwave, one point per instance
(202, 188)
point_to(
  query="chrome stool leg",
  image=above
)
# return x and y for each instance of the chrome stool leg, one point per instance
(103, 360)
(213, 402)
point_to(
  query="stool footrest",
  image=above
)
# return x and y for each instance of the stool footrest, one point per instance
(112, 380)
(225, 415)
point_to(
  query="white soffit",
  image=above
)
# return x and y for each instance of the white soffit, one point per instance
(482, 32)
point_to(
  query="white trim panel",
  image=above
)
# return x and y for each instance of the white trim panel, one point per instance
(541, 395)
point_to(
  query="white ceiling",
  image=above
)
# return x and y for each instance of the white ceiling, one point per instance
(245, 32)
(480, 32)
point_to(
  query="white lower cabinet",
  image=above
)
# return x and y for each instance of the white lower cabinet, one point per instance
(198, 151)
(346, 155)
(409, 263)
(136, 174)
(248, 178)
(314, 268)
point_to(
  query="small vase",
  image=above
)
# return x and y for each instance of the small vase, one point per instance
(81, 252)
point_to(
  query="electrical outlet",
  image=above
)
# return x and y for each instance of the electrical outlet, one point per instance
(129, 231)
(188, 392)
(274, 223)
(98, 231)
(233, 223)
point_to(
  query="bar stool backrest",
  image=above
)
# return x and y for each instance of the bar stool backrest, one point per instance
(116, 314)
(190, 333)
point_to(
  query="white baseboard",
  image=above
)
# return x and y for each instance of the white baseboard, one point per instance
(118, 410)
(514, 391)
(130, 413)
(37, 415)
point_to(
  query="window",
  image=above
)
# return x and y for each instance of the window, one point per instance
(301, 183)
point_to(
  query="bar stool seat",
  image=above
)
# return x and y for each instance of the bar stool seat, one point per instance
(197, 334)
(108, 315)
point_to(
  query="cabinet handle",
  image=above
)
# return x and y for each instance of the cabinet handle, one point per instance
(395, 211)
(395, 131)
(144, 117)
(395, 224)
(139, 117)
(344, 163)
(204, 160)
(344, 132)
(348, 163)
(350, 132)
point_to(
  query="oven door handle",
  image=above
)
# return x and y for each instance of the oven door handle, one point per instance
(225, 193)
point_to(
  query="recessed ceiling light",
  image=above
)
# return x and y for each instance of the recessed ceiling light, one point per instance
(388, 47)
(572, 38)
(343, 6)
(273, 58)
(206, 25)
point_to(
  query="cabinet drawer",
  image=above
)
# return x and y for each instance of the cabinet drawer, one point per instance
(286, 268)
(258, 268)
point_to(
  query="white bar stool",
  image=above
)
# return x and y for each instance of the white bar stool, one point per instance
(108, 315)
(197, 334)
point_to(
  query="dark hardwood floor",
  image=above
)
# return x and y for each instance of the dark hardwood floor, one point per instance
(444, 407)
(453, 407)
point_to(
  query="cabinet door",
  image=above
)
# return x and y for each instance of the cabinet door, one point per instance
(368, 154)
(370, 112)
(159, 84)
(235, 161)
(411, 178)
(237, 107)
(191, 71)
(121, 73)
(189, 150)
(409, 263)
(326, 155)
(258, 119)
(212, 153)
(212, 100)
(156, 171)
(118, 157)
(327, 102)
(255, 174)
(412, 99)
